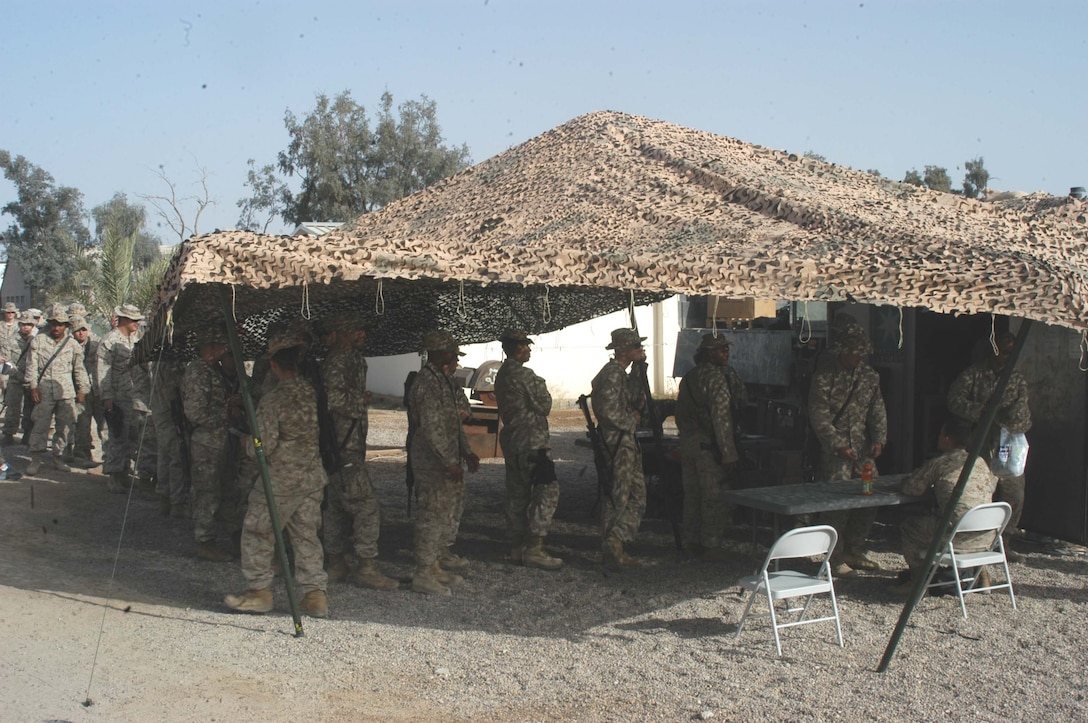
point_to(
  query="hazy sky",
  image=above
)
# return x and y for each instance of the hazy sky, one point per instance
(100, 94)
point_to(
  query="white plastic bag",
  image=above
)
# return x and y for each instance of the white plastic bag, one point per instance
(1011, 455)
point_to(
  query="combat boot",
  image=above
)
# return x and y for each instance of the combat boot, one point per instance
(210, 551)
(368, 575)
(448, 560)
(252, 601)
(336, 567)
(423, 582)
(535, 556)
(35, 463)
(446, 578)
(315, 604)
(612, 553)
(60, 465)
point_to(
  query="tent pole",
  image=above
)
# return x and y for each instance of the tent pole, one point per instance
(944, 526)
(262, 462)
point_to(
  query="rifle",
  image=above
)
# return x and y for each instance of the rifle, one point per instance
(602, 462)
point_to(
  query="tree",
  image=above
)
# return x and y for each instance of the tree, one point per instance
(913, 178)
(124, 219)
(815, 156)
(171, 208)
(937, 179)
(49, 226)
(976, 177)
(345, 167)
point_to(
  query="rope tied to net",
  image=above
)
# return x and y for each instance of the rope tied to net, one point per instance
(714, 315)
(631, 309)
(305, 301)
(379, 300)
(1083, 351)
(547, 311)
(462, 306)
(900, 308)
(805, 322)
(993, 335)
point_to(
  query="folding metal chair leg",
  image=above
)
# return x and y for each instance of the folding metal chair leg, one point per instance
(774, 624)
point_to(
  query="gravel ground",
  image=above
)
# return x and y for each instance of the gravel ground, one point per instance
(656, 643)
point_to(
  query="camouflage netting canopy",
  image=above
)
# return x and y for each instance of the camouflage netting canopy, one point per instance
(568, 225)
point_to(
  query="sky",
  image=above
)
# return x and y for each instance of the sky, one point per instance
(103, 94)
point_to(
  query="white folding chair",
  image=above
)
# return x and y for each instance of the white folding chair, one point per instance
(803, 542)
(992, 516)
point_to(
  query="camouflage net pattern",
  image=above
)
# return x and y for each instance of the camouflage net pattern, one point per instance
(567, 225)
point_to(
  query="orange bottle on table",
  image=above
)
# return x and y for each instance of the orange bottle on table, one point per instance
(867, 479)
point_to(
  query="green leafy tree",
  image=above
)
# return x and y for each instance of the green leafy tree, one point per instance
(976, 177)
(816, 156)
(49, 226)
(346, 167)
(937, 179)
(120, 217)
(913, 178)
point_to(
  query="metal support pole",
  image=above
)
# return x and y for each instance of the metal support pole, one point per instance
(262, 462)
(944, 526)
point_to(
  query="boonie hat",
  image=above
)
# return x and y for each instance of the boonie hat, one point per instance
(441, 340)
(518, 335)
(710, 341)
(27, 318)
(625, 339)
(129, 311)
(77, 322)
(57, 313)
(10, 307)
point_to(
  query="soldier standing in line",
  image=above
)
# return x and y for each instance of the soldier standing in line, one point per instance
(532, 492)
(352, 511)
(287, 424)
(214, 491)
(80, 443)
(58, 381)
(438, 448)
(115, 384)
(172, 482)
(847, 413)
(15, 350)
(8, 328)
(615, 405)
(968, 395)
(708, 452)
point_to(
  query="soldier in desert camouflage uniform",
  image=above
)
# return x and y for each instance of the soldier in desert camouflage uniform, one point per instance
(58, 381)
(847, 413)
(15, 350)
(969, 394)
(171, 484)
(438, 448)
(615, 405)
(115, 385)
(81, 443)
(352, 512)
(8, 327)
(940, 475)
(287, 425)
(524, 404)
(214, 491)
(708, 451)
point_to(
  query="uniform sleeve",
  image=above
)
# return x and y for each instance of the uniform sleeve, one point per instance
(876, 418)
(345, 398)
(921, 479)
(611, 400)
(819, 412)
(437, 414)
(32, 356)
(720, 398)
(1015, 415)
(79, 372)
(960, 397)
(268, 425)
(102, 368)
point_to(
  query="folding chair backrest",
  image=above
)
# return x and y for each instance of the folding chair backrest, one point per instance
(991, 516)
(803, 542)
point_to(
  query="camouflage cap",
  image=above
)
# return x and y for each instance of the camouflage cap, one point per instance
(10, 308)
(57, 313)
(286, 339)
(516, 335)
(78, 322)
(623, 339)
(77, 308)
(712, 341)
(852, 339)
(27, 318)
(440, 340)
(36, 313)
(128, 311)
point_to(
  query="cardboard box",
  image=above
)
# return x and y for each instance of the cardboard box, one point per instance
(738, 309)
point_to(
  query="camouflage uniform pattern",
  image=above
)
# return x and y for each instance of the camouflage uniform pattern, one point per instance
(287, 422)
(115, 384)
(214, 489)
(966, 398)
(91, 410)
(170, 472)
(6, 332)
(147, 445)
(524, 405)
(615, 405)
(438, 443)
(863, 423)
(57, 384)
(15, 392)
(352, 512)
(704, 420)
(941, 474)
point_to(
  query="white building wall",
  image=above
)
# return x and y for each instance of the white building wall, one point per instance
(568, 359)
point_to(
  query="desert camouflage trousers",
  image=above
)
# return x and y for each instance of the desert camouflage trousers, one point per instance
(121, 447)
(352, 512)
(14, 396)
(529, 508)
(62, 412)
(170, 477)
(441, 503)
(916, 534)
(214, 490)
(92, 410)
(852, 525)
(300, 516)
(622, 514)
(706, 516)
